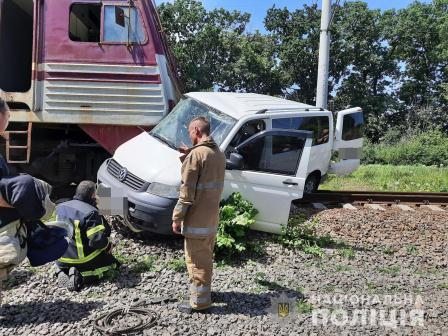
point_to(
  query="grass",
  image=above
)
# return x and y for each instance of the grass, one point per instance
(143, 265)
(260, 276)
(300, 289)
(343, 268)
(392, 270)
(347, 253)
(391, 178)
(442, 285)
(412, 249)
(122, 258)
(93, 295)
(304, 307)
(9, 283)
(371, 286)
(136, 264)
(314, 250)
(389, 250)
(258, 247)
(428, 271)
(33, 269)
(329, 289)
(300, 234)
(257, 290)
(177, 265)
(111, 275)
(270, 285)
(222, 264)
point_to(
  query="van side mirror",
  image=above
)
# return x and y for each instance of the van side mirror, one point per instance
(235, 161)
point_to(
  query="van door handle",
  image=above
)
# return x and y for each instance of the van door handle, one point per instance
(290, 183)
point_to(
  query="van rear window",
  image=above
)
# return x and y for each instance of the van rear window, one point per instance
(318, 125)
(353, 126)
(85, 23)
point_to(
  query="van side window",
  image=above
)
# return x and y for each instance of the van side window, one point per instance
(247, 130)
(277, 154)
(123, 24)
(353, 126)
(318, 125)
(85, 23)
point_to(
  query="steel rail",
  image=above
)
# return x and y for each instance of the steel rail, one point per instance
(381, 197)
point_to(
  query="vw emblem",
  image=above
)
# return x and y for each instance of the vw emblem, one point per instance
(123, 174)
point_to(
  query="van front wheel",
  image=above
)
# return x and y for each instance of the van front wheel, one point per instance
(311, 184)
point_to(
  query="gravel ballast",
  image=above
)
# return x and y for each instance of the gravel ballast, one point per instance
(385, 262)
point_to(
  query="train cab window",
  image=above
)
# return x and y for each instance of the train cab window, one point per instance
(123, 24)
(247, 130)
(85, 23)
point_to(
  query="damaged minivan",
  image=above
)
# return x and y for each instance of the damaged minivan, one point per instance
(276, 151)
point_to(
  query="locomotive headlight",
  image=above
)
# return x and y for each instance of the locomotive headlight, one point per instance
(163, 190)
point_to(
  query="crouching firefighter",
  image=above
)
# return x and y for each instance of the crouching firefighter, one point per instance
(24, 202)
(88, 256)
(196, 213)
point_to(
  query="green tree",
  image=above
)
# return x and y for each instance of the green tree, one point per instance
(296, 37)
(361, 64)
(253, 68)
(199, 39)
(416, 40)
(394, 64)
(369, 67)
(214, 51)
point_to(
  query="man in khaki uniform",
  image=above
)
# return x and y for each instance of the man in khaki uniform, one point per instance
(196, 213)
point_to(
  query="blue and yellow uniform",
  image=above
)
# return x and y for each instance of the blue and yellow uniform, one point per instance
(89, 248)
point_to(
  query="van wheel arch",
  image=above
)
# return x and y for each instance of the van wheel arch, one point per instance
(312, 182)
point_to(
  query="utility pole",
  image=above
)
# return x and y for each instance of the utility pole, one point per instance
(324, 55)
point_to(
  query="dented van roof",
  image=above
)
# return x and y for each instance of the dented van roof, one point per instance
(239, 105)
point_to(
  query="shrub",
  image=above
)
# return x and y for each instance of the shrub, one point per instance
(236, 215)
(429, 149)
(301, 234)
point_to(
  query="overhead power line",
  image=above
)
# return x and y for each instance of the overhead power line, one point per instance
(333, 13)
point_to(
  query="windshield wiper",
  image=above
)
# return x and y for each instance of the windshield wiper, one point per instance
(164, 140)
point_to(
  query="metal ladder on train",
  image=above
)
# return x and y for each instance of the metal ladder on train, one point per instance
(18, 153)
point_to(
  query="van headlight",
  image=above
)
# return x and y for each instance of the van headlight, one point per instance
(163, 190)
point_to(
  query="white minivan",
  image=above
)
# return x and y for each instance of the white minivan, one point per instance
(276, 151)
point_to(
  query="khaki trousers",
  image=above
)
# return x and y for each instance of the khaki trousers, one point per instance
(199, 260)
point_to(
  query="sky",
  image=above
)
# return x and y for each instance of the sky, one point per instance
(258, 8)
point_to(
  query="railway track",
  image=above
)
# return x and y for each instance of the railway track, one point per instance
(373, 199)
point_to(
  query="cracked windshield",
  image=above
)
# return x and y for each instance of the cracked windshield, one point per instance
(173, 130)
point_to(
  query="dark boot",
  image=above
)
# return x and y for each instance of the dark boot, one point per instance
(72, 281)
(75, 279)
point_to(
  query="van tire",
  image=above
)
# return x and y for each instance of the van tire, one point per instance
(311, 184)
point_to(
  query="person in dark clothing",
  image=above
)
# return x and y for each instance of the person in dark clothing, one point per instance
(89, 255)
(4, 120)
(24, 200)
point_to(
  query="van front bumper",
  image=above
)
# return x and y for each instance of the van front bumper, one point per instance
(146, 212)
